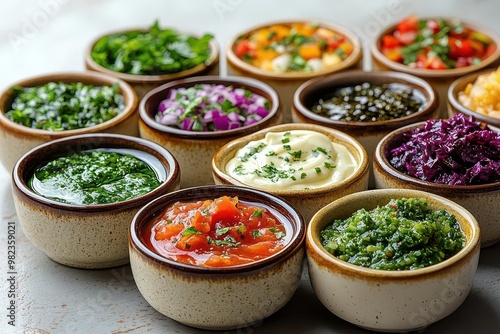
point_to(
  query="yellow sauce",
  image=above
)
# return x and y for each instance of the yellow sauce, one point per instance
(292, 160)
(483, 96)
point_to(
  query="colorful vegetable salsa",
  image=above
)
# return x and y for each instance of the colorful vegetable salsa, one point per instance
(369, 103)
(296, 47)
(405, 234)
(483, 96)
(64, 106)
(153, 52)
(96, 177)
(436, 44)
(206, 107)
(216, 233)
(457, 151)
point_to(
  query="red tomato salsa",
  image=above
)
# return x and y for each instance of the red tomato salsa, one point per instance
(216, 233)
(436, 44)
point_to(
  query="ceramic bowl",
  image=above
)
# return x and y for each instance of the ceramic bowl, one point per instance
(17, 139)
(222, 298)
(383, 300)
(455, 106)
(286, 83)
(439, 79)
(367, 133)
(480, 200)
(142, 84)
(85, 236)
(307, 202)
(194, 149)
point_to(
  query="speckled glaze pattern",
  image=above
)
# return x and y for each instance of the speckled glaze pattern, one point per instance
(439, 79)
(481, 200)
(218, 298)
(84, 236)
(287, 83)
(391, 301)
(16, 139)
(142, 84)
(310, 201)
(194, 150)
(367, 133)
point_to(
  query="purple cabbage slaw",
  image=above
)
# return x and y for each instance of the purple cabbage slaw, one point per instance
(207, 107)
(457, 151)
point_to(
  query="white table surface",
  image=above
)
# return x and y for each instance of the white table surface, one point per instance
(42, 36)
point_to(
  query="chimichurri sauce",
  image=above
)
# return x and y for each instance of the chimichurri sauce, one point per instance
(405, 234)
(98, 176)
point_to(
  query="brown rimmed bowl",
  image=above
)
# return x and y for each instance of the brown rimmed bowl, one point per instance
(85, 236)
(367, 133)
(194, 149)
(309, 201)
(384, 300)
(218, 298)
(17, 139)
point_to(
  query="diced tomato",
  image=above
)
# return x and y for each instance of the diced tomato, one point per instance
(435, 63)
(421, 60)
(166, 231)
(201, 223)
(478, 47)
(243, 47)
(389, 42)
(462, 62)
(225, 210)
(405, 38)
(408, 24)
(192, 241)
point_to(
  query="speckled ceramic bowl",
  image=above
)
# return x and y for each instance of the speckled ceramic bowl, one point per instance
(218, 298)
(142, 84)
(286, 83)
(194, 149)
(367, 133)
(307, 202)
(391, 301)
(481, 200)
(455, 106)
(85, 236)
(16, 139)
(439, 79)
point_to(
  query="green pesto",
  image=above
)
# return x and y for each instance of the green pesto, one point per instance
(405, 234)
(94, 177)
(58, 106)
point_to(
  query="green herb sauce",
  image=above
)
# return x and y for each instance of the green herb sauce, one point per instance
(97, 177)
(405, 234)
(65, 106)
(153, 52)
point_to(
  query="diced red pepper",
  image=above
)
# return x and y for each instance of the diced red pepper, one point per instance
(408, 24)
(389, 42)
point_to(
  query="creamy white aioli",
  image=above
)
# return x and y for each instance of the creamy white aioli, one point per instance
(292, 160)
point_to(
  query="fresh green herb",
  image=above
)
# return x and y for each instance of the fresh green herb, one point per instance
(256, 233)
(252, 151)
(317, 169)
(329, 165)
(221, 231)
(153, 52)
(287, 147)
(257, 212)
(65, 106)
(296, 155)
(190, 230)
(285, 140)
(228, 241)
(303, 175)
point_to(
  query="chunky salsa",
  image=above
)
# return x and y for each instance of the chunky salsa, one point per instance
(436, 44)
(296, 47)
(218, 232)
(96, 177)
(405, 234)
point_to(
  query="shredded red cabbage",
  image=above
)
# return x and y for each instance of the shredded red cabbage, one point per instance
(206, 107)
(457, 151)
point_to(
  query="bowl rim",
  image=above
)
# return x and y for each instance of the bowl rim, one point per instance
(453, 92)
(249, 83)
(314, 245)
(360, 76)
(380, 161)
(78, 143)
(144, 215)
(131, 101)
(235, 144)
(92, 65)
(350, 61)
(428, 73)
